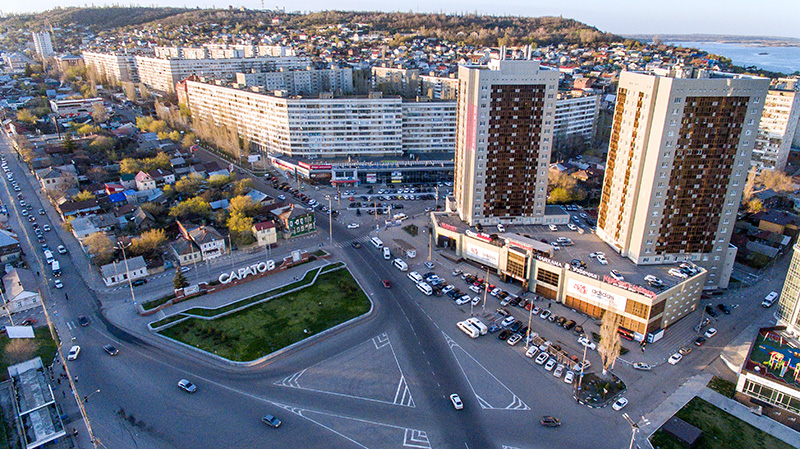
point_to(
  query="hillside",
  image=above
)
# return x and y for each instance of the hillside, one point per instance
(103, 18)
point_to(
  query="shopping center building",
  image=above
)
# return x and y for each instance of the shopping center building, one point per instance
(520, 256)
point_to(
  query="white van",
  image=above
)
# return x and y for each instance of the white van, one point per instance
(386, 253)
(478, 324)
(411, 253)
(414, 276)
(468, 329)
(425, 288)
(770, 299)
(376, 242)
(400, 264)
(48, 256)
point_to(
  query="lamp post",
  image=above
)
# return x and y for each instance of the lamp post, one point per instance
(634, 428)
(330, 218)
(86, 398)
(122, 246)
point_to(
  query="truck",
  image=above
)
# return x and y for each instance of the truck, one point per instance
(56, 267)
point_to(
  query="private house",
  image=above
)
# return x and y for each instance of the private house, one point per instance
(128, 181)
(116, 273)
(185, 252)
(56, 179)
(208, 239)
(260, 198)
(294, 220)
(266, 233)
(9, 247)
(144, 181)
(143, 219)
(22, 291)
(78, 208)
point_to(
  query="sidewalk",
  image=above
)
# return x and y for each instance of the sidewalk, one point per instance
(691, 388)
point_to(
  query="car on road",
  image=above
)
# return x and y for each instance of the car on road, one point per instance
(187, 386)
(501, 228)
(569, 377)
(724, 308)
(73, 352)
(514, 339)
(455, 272)
(282, 197)
(674, 359)
(553, 228)
(386, 283)
(710, 310)
(110, 350)
(550, 365)
(550, 421)
(699, 341)
(58, 283)
(642, 366)
(185, 269)
(620, 404)
(572, 227)
(456, 400)
(541, 358)
(139, 282)
(356, 245)
(46, 228)
(61, 249)
(271, 421)
(83, 321)
(617, 275)
(28, 321)
(602, 260)
(769, 300)
(41, 211)
(588, 343)
(710, 332)
(353, 226)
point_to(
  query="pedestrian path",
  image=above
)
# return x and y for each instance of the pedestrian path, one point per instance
(661, 414)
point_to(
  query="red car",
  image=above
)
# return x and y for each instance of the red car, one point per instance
(387, 284)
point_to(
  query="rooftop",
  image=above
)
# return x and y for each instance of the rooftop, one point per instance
(775, 355)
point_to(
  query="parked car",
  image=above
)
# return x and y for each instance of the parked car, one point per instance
(620, 404)
(617, 275)
(545, 314)
(139, 282)
(83, 321)
(569, 377)
(710, 310)
(674, 359)
(73, 352)
(550, 365)
(61, 249)
(110, 350)
(588, 343)
(724, 308)
(699, 341)
(541, 358)
(642, 366)
(710, 332)
(558, 371)
(514, 339)
(456, 400)
(504, 335)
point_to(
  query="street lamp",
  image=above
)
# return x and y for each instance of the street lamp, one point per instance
(86, 398)
(330, 218)
(634, 428)
(122, 246)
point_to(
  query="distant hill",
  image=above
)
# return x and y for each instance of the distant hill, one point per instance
(102, 18)
(767, 41)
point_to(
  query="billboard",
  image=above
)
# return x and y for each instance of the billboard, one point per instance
(597, 296)
(481, 254)
(372, 178)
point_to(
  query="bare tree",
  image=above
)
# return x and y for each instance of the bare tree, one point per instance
(130, 90)
(776, 180)
(610, 345)
(750, 184)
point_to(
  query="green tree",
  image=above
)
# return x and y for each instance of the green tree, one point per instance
(192, 208)
(102, 144)
(218, 181)
(241, 205)
(130, 165)
(85, 130)
(84, 195)
(148, 243)
(243, 186)
(240, 227)
(26, 116)
(189, 185)
(179, 281)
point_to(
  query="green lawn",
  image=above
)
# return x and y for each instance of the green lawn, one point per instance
(21, 349)
(721, 430)
(722, 386)
(267, 327)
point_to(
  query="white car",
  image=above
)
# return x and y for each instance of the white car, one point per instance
(514, 339)
(597, 254)
(58, 283)
(495, 292)
(559, 370)
(569, 377)
(675, 358)
(710, 332)
(61, 249)
(572, 227)
(531, 352)
(677, 273)
(501, 228)
(508, 321)
(281, 197)
(456, 400)
(620, 404)
(353, 226)
(550, 365)
(602, 260)
(475, 288)
(588, 343)
(73, 352)
(463, 300)
(553, 228)
(476, 300)
(541, 358)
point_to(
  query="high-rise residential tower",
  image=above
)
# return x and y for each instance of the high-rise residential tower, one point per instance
(789, 303)
(506, 113)
(778, 126)
(43, 44)
(678, 159)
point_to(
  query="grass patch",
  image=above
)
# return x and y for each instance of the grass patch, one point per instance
(243, 302)
(721, 430)
(722, 386)
(332, 267)
(319, 253)
(18, 350)
(411, 229)
(166, 320)
(267, 327)
(157, 302)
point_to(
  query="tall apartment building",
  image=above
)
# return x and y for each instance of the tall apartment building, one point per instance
(113, 67)
(216, 51)
(778, 126)
(789, 303)
(300, 82)
(677, 163)
(428, 126)
(394, 81)
(162, 74)
(576, 117)
(42, 44)
(438, 87)
(506, 113)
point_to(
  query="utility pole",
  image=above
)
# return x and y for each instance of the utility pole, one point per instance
(330, 218)
(486, 292)
(634, 428)
(580, 377)
(127, 271)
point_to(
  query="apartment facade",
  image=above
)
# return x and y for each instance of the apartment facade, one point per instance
(789, 303)
(677, 163)
(300, 82)
(777, 127)
(576, 117)
(438, 87)
(115, 68)
(396, 81)
(43, 44)
(506, 114)
(428, 126)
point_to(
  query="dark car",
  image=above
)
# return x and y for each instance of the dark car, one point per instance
(28, 321)
(504, 335)
(724, 308)
(699, 341)
(561, 320)
(494, 328)
(569, 325)
(83, 321)
(271, 421)
(139, 282)
(516, 326)
(503, 311)
(710, 310)
(110, 350)
(550, 421)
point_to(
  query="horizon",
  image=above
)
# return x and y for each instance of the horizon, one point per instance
(735, 18)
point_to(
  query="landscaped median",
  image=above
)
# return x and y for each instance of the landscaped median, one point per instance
(254, 327)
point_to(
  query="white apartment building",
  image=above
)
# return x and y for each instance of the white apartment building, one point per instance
(115, 68)
(576, 116)
(43, 44)
(677, 163)
(438, 87)
(396, 81)
(506, 115)
(327, 127)
(429, 126)
(300, 82)
(162, 74)
(777, 127)
(214, 51)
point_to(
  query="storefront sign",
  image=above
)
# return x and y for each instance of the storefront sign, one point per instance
(249, 270)
(449, 227)
(583, 272)
(481, 254)
(597, 296)
(314, 166)
(630, 287)
(482, 236)
(372, 178)
(550, 261)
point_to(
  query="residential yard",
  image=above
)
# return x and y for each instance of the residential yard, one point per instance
(21, 349)
(721, 430)
(263, 328)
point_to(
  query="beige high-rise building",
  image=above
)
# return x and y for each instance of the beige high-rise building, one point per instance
(42, 44)
(789, 303)
(677, 163)
(778, 126)
(506, 112)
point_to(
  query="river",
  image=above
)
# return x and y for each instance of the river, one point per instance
(775, 59)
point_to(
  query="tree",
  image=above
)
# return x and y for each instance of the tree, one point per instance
(179, 281)
(750, 184)
(776, 180)
(100, 247)
(97, 174)
(191, 208)
(102, 144)
(218, 181)
(189, 185)
(189, 139)
(610, 346)
(148, 243)
(25, 116)
(755, 206)
(130, 90)
(240, 227)
(99, 113)
(241, 205)
(84, 195)
(130, 165)
(243, 186)
(85, 130)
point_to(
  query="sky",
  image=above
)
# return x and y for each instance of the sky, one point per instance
(735, 17)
